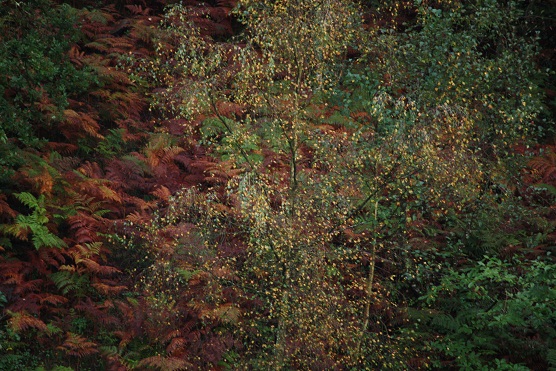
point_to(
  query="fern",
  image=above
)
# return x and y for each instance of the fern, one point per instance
(21, 321)
(545, 166)
(30, 201)
(551, 358)
(166, 363)
(78, 346)
(34, 223)
(69, 281)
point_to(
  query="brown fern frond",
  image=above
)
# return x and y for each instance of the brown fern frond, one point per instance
(97, 312)
(227, 3)
(45, 104)
(65, 163)
(52, 299)
(39, 175)
(172, 334)
(84, 226)
(98, 63)
(68, 268)
(109, 194)
(166, 363)
(16, 230)
(11, 277)
(161, 192)
(91, 170)
(128, 174)
(139, 204)
(227, 313)
(53, 257)
(125, 337)
(96, 22)
(98, 47)
(156, 156)
(176, 345)
(169, 154)
(77, 123)
(230, 109)
(78, 346)
(5, 210)
(137, 9)
(546, 166)
(222, 172)
(85, 235)
(21, 321)
(118, 45)
(122, 105)
(137, 217)
(62, 148)
(94, 267)
(25, 287)
(131, 125)
(44, 181)
(142, 30)
(76, 56)
(108, 290)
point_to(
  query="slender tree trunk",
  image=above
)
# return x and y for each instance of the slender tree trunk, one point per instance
(368, 292)
(282, 327)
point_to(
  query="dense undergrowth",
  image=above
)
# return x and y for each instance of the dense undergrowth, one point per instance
(277, 185)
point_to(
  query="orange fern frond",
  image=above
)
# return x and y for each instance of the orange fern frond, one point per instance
(53, 299)
(137, 217)
(79, 122)
(78, 346)
(161, 192)
(108, 290)
(90, 170)
(109, 194)
(21, 321)
(94, 267)
(545, 166)
(222, 172)
(166, 363)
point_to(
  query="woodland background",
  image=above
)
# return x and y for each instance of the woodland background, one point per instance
(286, 184)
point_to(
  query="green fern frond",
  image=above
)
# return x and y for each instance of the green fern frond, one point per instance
(67, 282)
(551, 358)
(43, 238)
(445, 322)
(29, 200)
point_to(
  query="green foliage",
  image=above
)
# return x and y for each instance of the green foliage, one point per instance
(3, 299)
(112, 144)
(36, 75)
(494, 308)
(14, 353)
(71, 282)
(35, 223)
(473, 67)
(354, 188)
